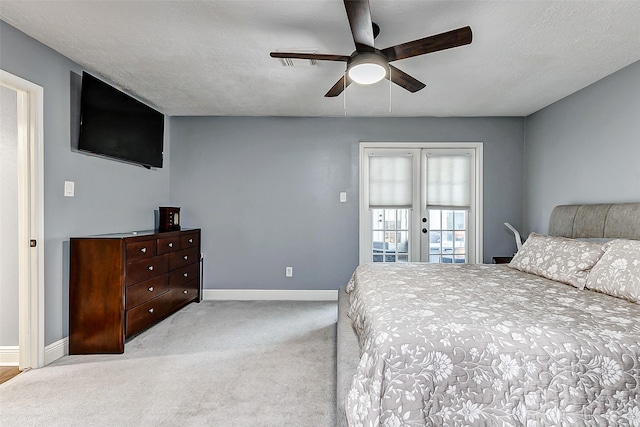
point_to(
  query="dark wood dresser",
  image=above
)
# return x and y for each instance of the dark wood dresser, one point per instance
(122, 284)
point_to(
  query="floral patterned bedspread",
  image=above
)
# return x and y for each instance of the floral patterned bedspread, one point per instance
(458, 345)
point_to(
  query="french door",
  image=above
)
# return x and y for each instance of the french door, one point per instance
(420, 202)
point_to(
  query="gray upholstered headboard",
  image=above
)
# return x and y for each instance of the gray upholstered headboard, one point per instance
(616, 220)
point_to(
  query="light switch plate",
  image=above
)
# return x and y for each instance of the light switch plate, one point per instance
(343, 197)
(69, 189)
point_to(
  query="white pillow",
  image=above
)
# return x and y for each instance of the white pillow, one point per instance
(618, 271)
(557, 258)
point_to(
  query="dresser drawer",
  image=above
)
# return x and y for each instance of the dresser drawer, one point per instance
(190, 240)
(184, 293)
(140, 250)
(145, 315)
(183, 275)
(183, 258)
(168, 244)
(144, 291)
(145, 269)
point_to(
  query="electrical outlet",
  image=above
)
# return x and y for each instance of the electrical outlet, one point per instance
(288, 272)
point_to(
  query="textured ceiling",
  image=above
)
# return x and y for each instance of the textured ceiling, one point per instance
(212, 57)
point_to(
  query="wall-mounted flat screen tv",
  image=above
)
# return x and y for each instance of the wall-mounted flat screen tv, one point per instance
(114, 124)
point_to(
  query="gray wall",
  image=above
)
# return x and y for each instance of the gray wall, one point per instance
(109, 196)
(584, 148)
(265, 190)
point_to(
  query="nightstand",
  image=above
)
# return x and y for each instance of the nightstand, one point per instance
(502, 259)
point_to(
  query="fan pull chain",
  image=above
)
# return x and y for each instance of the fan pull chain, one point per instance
(389, 89)
(344, 92)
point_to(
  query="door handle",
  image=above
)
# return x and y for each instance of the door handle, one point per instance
(424, 230)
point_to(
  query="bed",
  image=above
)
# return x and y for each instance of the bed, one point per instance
(551, 339)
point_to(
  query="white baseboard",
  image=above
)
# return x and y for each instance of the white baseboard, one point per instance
(9, 355)
(56, 350)
(269, 295)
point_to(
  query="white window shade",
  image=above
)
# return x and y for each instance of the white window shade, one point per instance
(449, 181)
(390, 181)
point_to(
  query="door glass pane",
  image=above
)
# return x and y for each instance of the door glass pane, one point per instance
(403, 242)
(447, 218)
(434, 219)
(460, 220)
(447, 246)
(390, 235)
(435, 241)
(390, 219)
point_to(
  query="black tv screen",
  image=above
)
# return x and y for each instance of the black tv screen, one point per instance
(114, 124)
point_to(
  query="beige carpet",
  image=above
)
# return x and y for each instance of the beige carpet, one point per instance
(249, 363)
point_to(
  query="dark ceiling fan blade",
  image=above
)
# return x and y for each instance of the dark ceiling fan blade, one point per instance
(442, 41)
(359, 14)
(404, 80)
(338, 88)
(316, 56)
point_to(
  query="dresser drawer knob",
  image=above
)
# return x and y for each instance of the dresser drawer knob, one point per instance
(184, 292)
(150, 288)
(170, 245)
(185, 274)
(190, 240)
(186, 257)
(151, 310)
(151, 268)
(143, 250)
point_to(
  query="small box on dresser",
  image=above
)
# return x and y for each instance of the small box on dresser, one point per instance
(122, 284)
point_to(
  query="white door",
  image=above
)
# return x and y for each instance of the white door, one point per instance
(448, 202)
(22, 133)
(9, 287)
(420, 202)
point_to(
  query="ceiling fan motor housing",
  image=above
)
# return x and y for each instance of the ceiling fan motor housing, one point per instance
(367, 67)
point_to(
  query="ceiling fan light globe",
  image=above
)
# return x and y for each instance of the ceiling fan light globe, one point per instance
(367, 73)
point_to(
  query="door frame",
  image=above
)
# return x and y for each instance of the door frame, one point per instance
(478, 190)
(30, 219)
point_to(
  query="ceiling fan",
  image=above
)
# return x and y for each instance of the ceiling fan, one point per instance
(369, 65)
